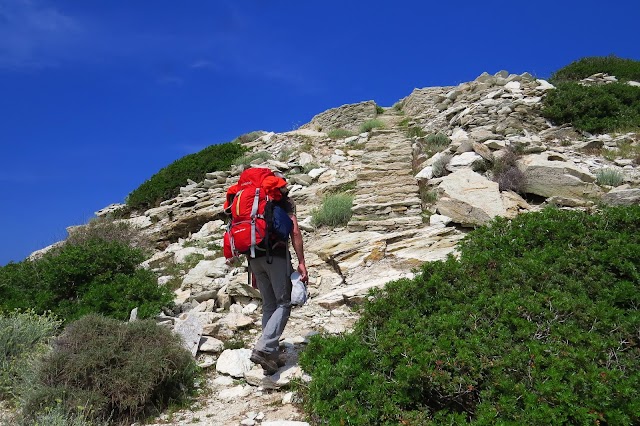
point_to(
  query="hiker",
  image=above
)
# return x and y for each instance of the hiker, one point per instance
(272, 272)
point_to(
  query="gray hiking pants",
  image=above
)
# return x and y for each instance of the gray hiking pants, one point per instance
(274, 283)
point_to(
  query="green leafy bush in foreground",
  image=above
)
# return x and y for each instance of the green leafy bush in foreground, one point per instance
(167, 182)
(96, 276)
(101, 368)
(535, 324)
(595, 109)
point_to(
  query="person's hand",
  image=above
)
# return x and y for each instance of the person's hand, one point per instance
(303, 273)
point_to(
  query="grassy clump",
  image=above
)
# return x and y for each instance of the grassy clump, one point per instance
(334, 211)
(108, 369)
(96, 276)
(594, 109)
(623, 69)
(437, 141)
(23, 336)
(339, 134)
(167, 182)
(536, 323)
(105, 228)
(369, 125)
(609, 177)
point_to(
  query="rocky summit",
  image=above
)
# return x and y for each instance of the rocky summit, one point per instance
(438, 163)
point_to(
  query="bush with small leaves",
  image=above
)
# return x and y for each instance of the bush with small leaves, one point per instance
(369, 125)
(506, 172)
(535, 322)
(609, 177)
(112, 370)
(24, 335)
(334, 211)
(379, 109)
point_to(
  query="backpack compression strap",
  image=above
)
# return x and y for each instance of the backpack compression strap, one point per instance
(254, 212)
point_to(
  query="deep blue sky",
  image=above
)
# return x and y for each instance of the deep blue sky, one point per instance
(98, 95)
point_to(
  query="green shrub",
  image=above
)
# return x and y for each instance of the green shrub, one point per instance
(379, 109)
(112, 370)
(334, 211)
(339, 134)
(594, 109)
(369, 125)
(623, 69)
(536, 323)
(609, 177)
(167, 182)
(107, 229)
(96, 276)
(23, 336)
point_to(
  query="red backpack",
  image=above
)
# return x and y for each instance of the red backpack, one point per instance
(251, 209)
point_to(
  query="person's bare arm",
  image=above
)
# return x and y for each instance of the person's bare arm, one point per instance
(298, 247)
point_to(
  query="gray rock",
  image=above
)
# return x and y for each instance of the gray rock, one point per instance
(234, 362)
(622, 196)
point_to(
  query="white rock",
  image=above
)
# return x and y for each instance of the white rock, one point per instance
(189, 327)
(234, 362)
(235, 392)
(284, 423)
(426, 173)
(211, 344)
(439, 220)
(544, 85)
(315, 173)
(305, 158)
(464, 160)
(513, 86)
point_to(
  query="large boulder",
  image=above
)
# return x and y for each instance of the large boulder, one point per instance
(471, 199)
(622, 196)
(549, 174)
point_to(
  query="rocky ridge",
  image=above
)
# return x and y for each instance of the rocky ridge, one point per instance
(404, 214)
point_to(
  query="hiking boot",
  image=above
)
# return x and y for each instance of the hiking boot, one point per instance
(280, 358)
(268, 364)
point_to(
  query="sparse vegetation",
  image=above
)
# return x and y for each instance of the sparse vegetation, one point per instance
(437, 141)
(253, 157)
(334, 211)
(339, 134)
(415, 132)
(167, 182)
(107, 229)
(506, 172)
(379, 109)
(535, 323)
(369, 125)
(609, 177)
